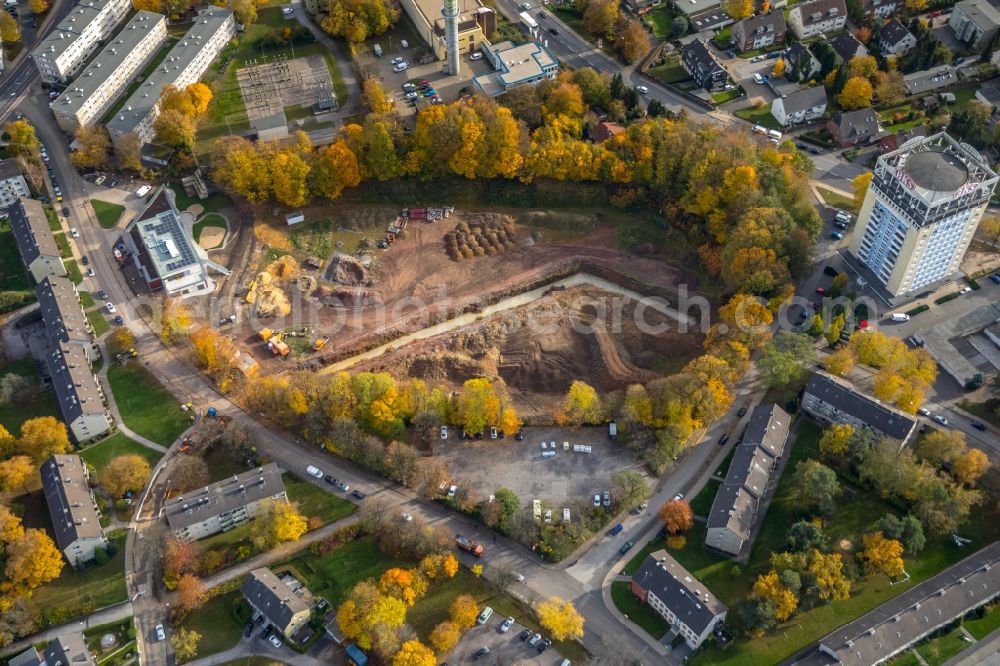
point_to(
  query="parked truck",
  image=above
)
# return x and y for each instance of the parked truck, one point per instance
(468, 545)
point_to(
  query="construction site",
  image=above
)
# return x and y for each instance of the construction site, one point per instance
(445, 295)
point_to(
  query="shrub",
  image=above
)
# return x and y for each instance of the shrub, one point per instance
(677, 541)
(917, 310)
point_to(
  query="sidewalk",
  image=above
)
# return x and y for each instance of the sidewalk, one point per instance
(245, 649)
(115, 613)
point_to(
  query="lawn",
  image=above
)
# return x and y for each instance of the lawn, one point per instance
(638, 612)
(108, 214)
(220, 622)
(726, 95)
(73, 271)
(53, 217)
(837, 200)
(12, 416)
(215, 201)
(98, 322)
(77, 593)
(332, 576)
(13, 276)
(62, 242)
(702, 503)
(856, 511)
(938, 650)
(145, 406)
(981, 627)
(314, 501)
(210, 220)
(760, 116)
(660, 21)
(118, 444)
(669, 73)
(87, 300)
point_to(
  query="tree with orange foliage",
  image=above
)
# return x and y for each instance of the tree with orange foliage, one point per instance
(444, 637)
(971, 465)
(882, 555)
(634, 39)
(33, 559)
(190, 593)
(677, 516)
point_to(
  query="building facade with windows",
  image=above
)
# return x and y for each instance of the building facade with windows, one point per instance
(831, 400)
(526, 64)
(760, 31)
(818, 17)
(270, 596)
(75, 519)
(225, 504)
(12, 183)
(108, 75)
(34, 239)
(703, 67)
(974, 22)
(66, 49)
(800, 106)
(678, 597)
(185, 63)
(921, 210)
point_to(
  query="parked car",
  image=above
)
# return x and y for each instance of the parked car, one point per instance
(553, 31)
(743, 410)
(978, 425)
(480, 653)
(478, 55)
(400, 67)
(314, 471)
(627, 546)
(724, 439)
(964, 290)
(101, 295)
(74, 233)
(940, 419)
(85, 260)
(65, 211)
(110, 307)
(507, 624)
(678, 497)
(643, 90)
(332, 480)
(275, 641)
(119, 321)
(607, 499)
(484, 616)
(597, 500)
(160, 634)
(616, 530)
(837, 235)
(343, 486)
(444, 432)
(452, 491)
(820, 290)
(397, 60)
(524, 634)
(996, 278)
(544, 645)
(248, 629)
(100, 180)
(357, 494)
(758, 79)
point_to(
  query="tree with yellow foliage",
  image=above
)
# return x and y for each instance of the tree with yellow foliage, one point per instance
(38, 6)
(836, 439)
(882, 555)
(444, 637)
(33, 559)
(439, 566)
(41, 437)
(10, 31)
(414, 653)
(374, 96)
(463, 611)
(564, 99)
(561, 618)
(15, 473)
(745, 319)
(155, 6)
(478, 405)
(864, 66)
(840, 362)
(856, 94)
(185, 643)
(828, 573)
(634, 39)
(510, 422)
(277, 523)
(174, 319)
(93, 147)
(859, 186)
(969, 466)
(779, 67)
(581, 405)
(125, 473)
(176, 129)
(769, 587)
(738, 9)
(11, 528)
(334, 169)
(22, 138)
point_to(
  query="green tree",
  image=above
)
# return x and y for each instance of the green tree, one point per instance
(815, 486)
(906, 530)
(508, 503)
(785, 359)
(629, 488)
(804, 537)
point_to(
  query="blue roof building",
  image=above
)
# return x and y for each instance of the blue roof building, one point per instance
(355, 655)
(515, 65)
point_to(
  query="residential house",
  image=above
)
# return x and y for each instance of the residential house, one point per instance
(72, 507)
(678, 597)
(737, 503)
(760, 31)
(890, 142)
(79, 396)
(831, 400)
(29, 657)
(904, 620)
(800, 64)
(223, 505)
(603, 131)
(281, 606)
(63, 315)
(703, 67)
(854, 128)
(818, 17)
(895, 40)
(879, 10)
(847, 47)
(69, 650)
(34, 239)
(12, 183)
(800, 106)
(974, 22)
(989, 94)
(931, 79)
(703, 14)
(640, 7)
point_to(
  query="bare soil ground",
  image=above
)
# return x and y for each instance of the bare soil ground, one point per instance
(415, 282)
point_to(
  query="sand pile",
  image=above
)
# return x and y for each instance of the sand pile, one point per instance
(348, 271)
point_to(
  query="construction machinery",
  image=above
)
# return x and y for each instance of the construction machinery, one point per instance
(277, 345)
(266, 334)
(319, 343)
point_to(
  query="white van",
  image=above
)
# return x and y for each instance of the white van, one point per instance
(899, 316)
(843, 216)
(759, 129)
(774, 134)
(143, 191)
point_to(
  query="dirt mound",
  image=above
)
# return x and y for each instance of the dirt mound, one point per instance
(446, 366)
(348, 271)
(284, 268)
(345, 297)
(480, 235)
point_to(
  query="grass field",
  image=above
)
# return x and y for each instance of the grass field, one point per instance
(53, 217)
(702, 503)
(219, 621)
(638, 612)
(12, 416)
(13, 275)
(940, 649)
(761, 116)
(108, 214)
(98, 322)
(87, 300)
(79, 592)
(62, 242)
(984, 410)
(726, 95)
(210, 220)
(146, 407)
(118, 444)
(837, 200)
(215, 201)
(984, 626)
(73, 271)
(332, 576)
(313, 501)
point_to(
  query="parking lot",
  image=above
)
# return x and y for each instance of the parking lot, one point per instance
(562, 479)
(505, 648)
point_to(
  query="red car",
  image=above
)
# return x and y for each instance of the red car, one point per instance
(820, 290)
(425, 82)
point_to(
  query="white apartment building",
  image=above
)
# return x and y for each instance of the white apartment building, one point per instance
(62, 54)
(817, 17)
(184, 65)
(34, 239)
(12, 183)
(75, 520)
(110, 73)
(921, 211)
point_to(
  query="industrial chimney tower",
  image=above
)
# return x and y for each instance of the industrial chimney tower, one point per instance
(450, 12)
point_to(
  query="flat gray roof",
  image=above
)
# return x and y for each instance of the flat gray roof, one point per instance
(31, 230)
(9, 169)
(148, 95)
(223, 496)
(107, 61)
(692, 7)
(68, 30)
